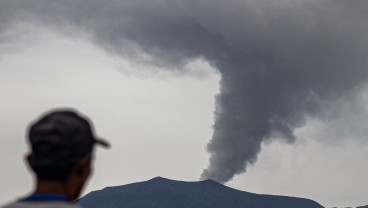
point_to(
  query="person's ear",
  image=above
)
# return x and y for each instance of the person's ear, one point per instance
(78, 176)
(29, 161)
(83, 167)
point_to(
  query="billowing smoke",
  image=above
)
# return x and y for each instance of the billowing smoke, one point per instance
(280, 61)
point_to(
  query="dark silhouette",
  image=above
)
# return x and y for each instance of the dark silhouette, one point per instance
(62, 143)
(165, 193)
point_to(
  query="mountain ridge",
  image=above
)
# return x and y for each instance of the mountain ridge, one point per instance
(164, 193)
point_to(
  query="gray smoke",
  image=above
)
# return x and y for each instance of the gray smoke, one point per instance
(280, 61)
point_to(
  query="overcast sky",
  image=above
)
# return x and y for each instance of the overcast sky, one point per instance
(266, 97)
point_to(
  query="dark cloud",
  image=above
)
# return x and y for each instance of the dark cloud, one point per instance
(280, 61)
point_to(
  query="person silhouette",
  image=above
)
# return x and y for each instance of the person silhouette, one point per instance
(62, 143)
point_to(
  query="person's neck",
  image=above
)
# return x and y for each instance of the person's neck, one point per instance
(52, 187)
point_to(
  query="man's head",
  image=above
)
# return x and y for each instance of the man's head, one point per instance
(61, 144)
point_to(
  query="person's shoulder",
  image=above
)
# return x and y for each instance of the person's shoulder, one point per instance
(44, 204)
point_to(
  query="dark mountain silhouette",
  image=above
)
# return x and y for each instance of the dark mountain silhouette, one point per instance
(363, 207)
(164, 193)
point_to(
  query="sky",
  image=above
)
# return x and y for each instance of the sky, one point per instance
(266, 97)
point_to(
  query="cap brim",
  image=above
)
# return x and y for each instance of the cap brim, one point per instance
(102, 142)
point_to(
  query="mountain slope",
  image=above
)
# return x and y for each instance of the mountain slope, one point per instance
(164, 193)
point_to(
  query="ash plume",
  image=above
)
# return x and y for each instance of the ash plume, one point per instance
(280, 61)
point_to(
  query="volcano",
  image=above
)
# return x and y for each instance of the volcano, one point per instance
(164, 193)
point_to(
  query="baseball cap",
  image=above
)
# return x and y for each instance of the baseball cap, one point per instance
(62, 136)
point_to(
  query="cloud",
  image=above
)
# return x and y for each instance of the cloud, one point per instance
(280, 61)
